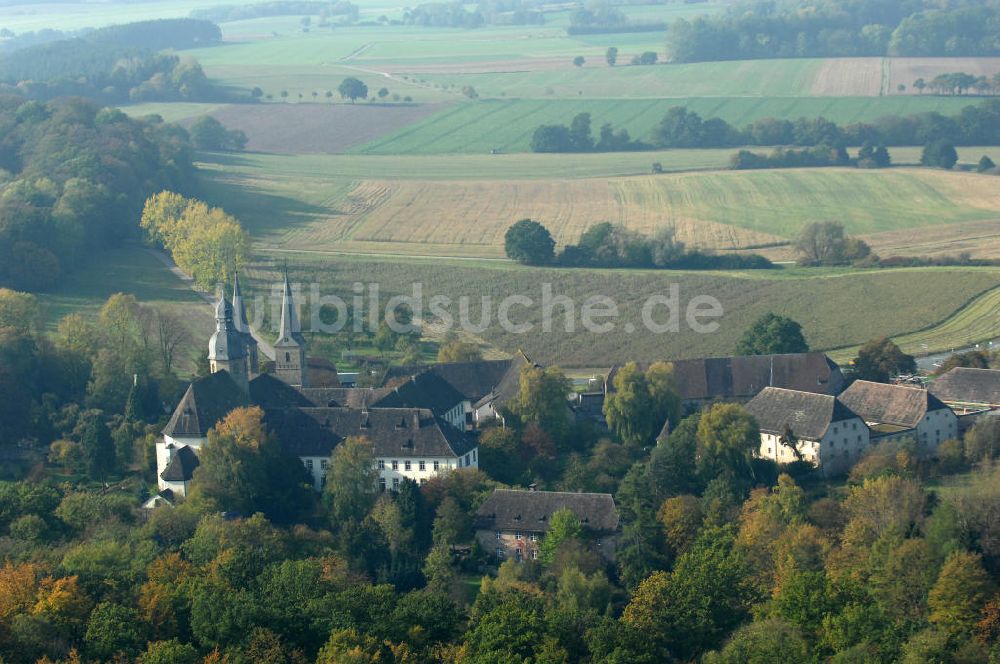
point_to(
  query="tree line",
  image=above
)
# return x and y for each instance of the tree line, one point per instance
(869, 156)
(682, 128)
(614, 246)
(242, 12)
(958, 83)
(78, 177)
(115, 64)
(833, 29)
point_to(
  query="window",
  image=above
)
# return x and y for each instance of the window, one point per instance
(499, 553)
(381, 464)
(498, 534)
(517, 535)
(835, 428)
(422, 466)
(309, 464)
(466, 460)
(423, 481)
(395, 465)
(534, 554)
(406, 465)
(324, 464)
(473, 455)
(288, 357)
(381, 484)
(854, 425)
(437, 465)
(517, 555)
(533, 537)
(395, 484)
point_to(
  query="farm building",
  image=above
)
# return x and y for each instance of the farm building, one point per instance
(811, 427)
(704, 380)
(968, 390)
(902, 411)
(512, 523)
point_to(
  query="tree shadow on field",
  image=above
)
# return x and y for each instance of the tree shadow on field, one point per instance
(261, 213)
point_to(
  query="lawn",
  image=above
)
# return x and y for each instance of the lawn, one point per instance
(836, 308)
(131, 269)
(508, 125)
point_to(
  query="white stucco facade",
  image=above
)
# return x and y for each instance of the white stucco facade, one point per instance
(842, 444)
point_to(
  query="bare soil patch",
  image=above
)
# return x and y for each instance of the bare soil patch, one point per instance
(317, 128)
(906, 70)
(849, 77)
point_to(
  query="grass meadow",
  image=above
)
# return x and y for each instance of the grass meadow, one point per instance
(131, 269)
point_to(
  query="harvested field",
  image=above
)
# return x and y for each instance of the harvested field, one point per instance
(906, 70)
(846, 77)
(719, 210)
(980, 239)
(316, 128)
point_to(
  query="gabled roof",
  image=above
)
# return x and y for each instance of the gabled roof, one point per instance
(322, 372)
(425, 390)
(532, 510)
(901, 405)
(742, 377)
(399, 432)
(968, 386)
(808, 415)
(510, 382)
(206, 401)
(181, 466)
(269, 392)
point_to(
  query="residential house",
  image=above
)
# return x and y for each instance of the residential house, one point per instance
(512, 523)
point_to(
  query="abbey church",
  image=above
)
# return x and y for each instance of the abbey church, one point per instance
(420, 421)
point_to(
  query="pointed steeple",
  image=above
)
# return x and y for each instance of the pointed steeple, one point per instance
(243, 326)
(290, 362)
(289, 331)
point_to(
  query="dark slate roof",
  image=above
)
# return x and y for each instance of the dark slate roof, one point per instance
(207, 401)
(181, 467)
(532, 510)
(425, 390)
(743, 377)
(509, 384)
(322, 372)
(806, 413)
(400, 432)
(968, 386)
(269, 392)
(901, 405)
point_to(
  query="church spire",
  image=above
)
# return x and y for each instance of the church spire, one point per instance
(243, 326)
(289, 331)
(226, 348)
(290, 364)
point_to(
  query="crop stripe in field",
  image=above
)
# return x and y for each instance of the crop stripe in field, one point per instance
(989, 297)
(408, 130)
(436, 119)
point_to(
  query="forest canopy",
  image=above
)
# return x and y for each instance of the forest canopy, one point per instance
(74, 178)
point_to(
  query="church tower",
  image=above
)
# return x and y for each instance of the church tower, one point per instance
(290, 349)
(226, 349)
(243, 328)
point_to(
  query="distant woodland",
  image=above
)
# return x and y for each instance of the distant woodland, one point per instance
(115, 64)
(832, 28)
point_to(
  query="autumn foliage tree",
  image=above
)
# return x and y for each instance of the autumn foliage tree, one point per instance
(205, 242)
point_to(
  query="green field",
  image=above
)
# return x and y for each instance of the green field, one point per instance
(752, 78)
(836, 308)
(130, 269)
(508, 125)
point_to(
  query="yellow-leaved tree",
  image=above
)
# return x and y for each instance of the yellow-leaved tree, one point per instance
(205, 242)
